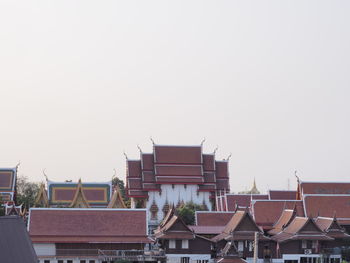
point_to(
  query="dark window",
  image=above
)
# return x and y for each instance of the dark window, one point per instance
(185, 260)
(69, 261)
(91, 261)
(60, 261)
(46, 261)
(82, 261)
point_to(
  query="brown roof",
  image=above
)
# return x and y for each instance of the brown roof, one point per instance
(206, 218)
(267, 212)
(286, 217)
(327, 205)
(233, 228)
(301, 228)
(176, 165)
(324, 188)
(282, 195)
(331, 227)
(231, 260)
(207, 230)
(164, 154)
(91, 225)
(242, 200)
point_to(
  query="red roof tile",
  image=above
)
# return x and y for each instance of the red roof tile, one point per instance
(282, 195)
(267, 212)
(178, 154)
(204, 218)
(147, 161)
(209, 162)
(324, 188)
(242, 200)
(48, 225)
(327, 205)
(285, 219)
(178, 170)
(207, 230)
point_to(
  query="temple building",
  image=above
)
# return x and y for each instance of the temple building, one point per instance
(79, 195)
(7, 184)
(175, 175)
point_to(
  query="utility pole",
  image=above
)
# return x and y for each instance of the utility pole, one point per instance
(256, 240)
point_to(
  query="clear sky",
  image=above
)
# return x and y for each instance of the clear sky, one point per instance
(268, 81)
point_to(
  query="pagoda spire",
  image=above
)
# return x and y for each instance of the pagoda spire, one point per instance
(79, 200)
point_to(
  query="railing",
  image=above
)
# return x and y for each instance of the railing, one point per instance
(132, 255)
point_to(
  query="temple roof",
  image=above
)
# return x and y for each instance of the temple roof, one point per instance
(339, 204)
(170, 164)
(286, 218)
(63, 193)
(301, 228)
(50, 225)
(240, 227)
(117, 199)
(242, 200)
(41, 199)
(267, 212)
(282, 195)
(7, 183)
(207, 218)
(79, 199)
(321, 188)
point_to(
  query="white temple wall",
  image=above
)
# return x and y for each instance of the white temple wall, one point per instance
(175, 194)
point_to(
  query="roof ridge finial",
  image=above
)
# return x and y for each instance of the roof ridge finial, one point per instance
(152, 140)
(215, 150)
(295, 174)
(18, 164)
(202, 141)
(125, 155)
(46, 177)
(138, 147)
(228, 157)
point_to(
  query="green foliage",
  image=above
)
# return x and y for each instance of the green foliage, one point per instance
(120, 183)
(26, 191)
(187, 212)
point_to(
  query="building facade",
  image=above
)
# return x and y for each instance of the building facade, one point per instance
(174, 175)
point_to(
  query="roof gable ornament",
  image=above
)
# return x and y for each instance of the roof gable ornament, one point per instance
(79, 200)
(41, 199)
(117, 199)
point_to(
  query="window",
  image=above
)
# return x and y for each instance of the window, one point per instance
(240, 246)
(60, 261)
(303, 244)
(184, 244)
(91, 261)
(185, 260)
(172, 243)
(46, 261)
(314, 244)
(82, 261)
(69, 261)
(251, 246)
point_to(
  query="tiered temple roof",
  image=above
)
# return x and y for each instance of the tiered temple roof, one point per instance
(176, 165)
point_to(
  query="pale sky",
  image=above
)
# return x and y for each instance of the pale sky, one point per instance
(268, 81)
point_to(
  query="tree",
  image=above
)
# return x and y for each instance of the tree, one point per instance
(26, 191)
(187, 212)
(116, 181)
